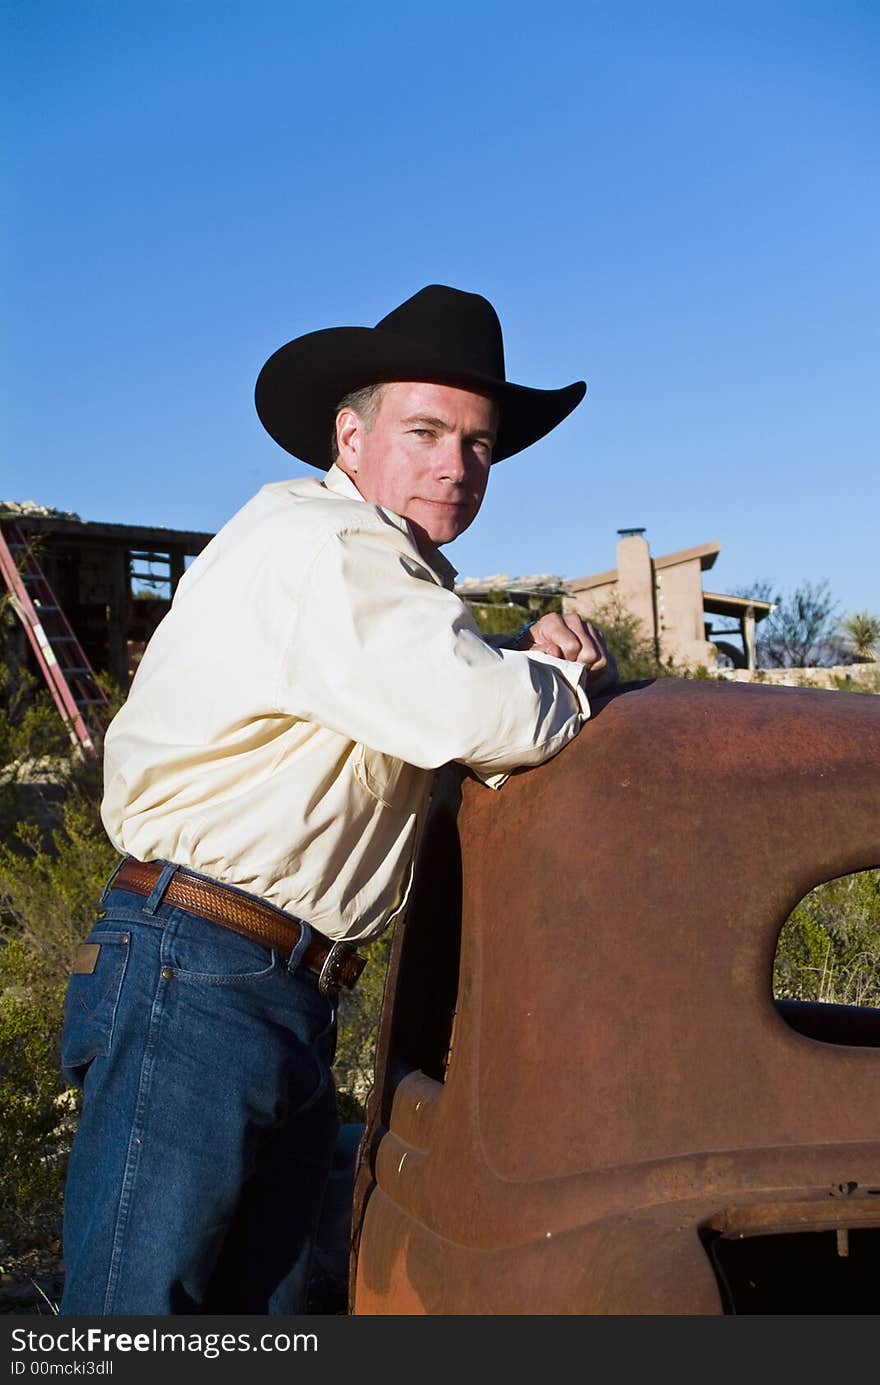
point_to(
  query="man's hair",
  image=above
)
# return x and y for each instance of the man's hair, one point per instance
(365, 403)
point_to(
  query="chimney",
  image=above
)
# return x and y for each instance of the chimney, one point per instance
(635, 578)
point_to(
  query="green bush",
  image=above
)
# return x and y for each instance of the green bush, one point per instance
(359, 1012)
(54, 856)
(868, 683)
(51, 878)
(633, 649)
(829, 947)
(36, 1113)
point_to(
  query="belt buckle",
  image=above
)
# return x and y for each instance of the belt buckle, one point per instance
(329, 978)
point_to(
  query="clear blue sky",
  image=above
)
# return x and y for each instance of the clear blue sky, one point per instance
(678, 202)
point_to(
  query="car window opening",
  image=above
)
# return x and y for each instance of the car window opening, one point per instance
(826, 970)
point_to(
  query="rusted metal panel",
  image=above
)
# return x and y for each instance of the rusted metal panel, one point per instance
(617, 1076)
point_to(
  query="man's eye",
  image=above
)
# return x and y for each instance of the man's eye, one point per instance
(422, 432)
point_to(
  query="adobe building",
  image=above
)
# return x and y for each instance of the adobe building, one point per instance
(667, 596)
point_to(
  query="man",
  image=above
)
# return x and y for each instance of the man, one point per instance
(265, 782)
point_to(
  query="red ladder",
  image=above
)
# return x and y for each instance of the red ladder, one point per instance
(79, 697)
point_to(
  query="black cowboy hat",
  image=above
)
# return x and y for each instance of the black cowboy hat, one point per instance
(441, 335)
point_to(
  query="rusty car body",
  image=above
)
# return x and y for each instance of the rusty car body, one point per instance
(586, 1099)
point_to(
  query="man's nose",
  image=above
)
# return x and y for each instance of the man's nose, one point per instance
(454, 459)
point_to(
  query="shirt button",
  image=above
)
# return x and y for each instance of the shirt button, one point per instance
(168, 972)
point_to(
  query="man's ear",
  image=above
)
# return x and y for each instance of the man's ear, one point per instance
(349, 431)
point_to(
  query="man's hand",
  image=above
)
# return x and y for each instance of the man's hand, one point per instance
(568, 637)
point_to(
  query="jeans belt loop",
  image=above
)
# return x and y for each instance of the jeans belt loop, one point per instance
(305, 938)
(155, 899)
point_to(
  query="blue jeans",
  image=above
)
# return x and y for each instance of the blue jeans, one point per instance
(209, 1117)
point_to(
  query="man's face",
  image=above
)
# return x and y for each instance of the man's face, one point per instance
(426, 456)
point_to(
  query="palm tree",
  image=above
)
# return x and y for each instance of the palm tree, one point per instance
(862, 630)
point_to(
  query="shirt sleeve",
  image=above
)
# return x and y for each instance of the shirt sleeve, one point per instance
(383, 654)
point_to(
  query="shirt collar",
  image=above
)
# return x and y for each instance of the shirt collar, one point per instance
(341, 483)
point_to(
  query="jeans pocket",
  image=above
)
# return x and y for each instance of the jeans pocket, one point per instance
(91, 1001)
(207, 953)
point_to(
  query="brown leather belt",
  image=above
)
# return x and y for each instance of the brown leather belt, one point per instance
(336, 964)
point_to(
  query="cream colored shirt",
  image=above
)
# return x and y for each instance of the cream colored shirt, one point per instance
(284, 725)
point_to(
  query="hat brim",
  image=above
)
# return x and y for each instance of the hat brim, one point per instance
(299, 389)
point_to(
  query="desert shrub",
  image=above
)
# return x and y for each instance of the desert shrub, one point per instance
(626, 638)
(51, 878)
(36, 1112)
(861, 631)
(359, 1012)
(868, 683)
(53, 858)
(829, 947)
